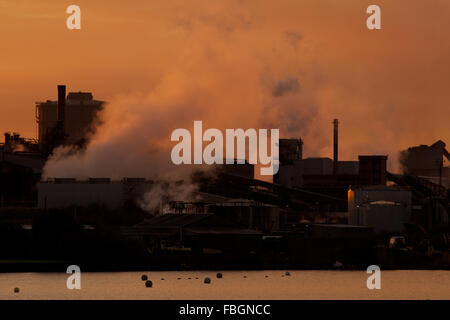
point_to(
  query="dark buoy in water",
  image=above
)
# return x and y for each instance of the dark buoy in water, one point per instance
(144, 277)
(162, 278)
(266, 276)
(244, 276)
(219, 276)
(16, 290)
(207, 280)
(288, 273)
(178, 278)
(148, 284)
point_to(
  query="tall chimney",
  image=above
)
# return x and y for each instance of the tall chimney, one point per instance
(7, 138)
(335, 146)
(61, 104)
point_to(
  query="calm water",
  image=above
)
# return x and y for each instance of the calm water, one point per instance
(300, 285)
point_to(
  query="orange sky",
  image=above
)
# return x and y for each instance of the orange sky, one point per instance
(223, 62)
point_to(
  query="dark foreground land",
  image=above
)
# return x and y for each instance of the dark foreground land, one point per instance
(45, 241)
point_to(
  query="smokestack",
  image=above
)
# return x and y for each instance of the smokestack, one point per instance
(7, 138)
(61, 104)
(335, 146)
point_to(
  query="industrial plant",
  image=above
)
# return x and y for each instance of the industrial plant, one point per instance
(317, 212)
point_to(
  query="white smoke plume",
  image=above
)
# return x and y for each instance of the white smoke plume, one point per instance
(204, 84)
(232, 65)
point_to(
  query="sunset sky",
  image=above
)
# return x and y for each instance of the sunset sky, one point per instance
(288, 64)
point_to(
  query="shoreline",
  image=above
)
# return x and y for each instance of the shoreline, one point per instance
(39, 267)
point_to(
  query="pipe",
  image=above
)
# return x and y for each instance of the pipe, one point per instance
(335, 146)
(7, 138)
(61, 103)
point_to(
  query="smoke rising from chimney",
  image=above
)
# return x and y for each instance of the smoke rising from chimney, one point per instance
(232, 65)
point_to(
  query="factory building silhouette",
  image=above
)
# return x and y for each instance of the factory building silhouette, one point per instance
(67, 121)
(316, 211)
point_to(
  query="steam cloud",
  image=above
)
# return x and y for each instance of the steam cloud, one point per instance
(232, 65)
(134, 139)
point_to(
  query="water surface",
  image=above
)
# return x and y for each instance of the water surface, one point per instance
(271, 285)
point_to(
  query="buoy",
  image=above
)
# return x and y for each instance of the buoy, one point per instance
(219, 276)
(178, 278)
(245, 276)
(16, 290)
(148, 284)
(144, 277)
(287, 273)
(162, 278)
(266, 276)
(207, 280)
